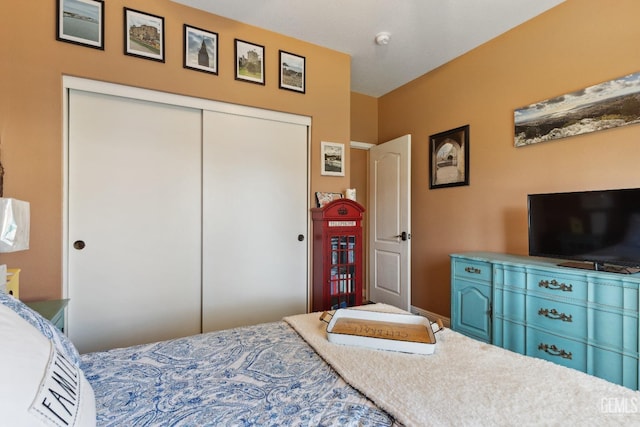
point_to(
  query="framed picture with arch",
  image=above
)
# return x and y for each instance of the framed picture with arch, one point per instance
(449, 158)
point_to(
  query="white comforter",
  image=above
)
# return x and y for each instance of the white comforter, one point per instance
(467, 382)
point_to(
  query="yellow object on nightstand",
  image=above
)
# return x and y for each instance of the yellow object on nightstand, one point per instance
(13, 282)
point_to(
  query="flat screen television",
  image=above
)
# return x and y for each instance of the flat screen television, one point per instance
(598, 229)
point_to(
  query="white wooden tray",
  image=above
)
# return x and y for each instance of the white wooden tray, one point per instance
(407, 333)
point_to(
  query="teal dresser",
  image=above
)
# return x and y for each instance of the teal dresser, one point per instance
(583, 319)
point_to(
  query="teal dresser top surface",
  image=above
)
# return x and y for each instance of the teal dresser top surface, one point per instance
(529, 261)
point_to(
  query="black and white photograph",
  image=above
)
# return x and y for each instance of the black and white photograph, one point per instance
(249, 62)
(332, 158)
(292, 72)
(603, 106)
(200, 49)
(449, 158)
(81, 22)
(144, 35)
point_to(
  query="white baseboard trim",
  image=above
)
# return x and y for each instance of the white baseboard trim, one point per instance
(431, 316)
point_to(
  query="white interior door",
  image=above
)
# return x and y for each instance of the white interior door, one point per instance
(390, 222)
(255, 200)
(134, 201)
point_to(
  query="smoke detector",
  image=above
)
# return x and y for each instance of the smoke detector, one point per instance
(383, 38)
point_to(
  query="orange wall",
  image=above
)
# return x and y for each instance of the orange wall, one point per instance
(575, 45)
(364, 118)
(31, 68)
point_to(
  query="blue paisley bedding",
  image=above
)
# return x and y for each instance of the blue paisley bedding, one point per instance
(263, 375)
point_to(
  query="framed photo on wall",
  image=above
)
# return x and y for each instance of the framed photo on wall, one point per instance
(249, 62)
(332, 158)
(449, 158)
(81, 22)
(143, 35)
(292, 72)
(200, 49)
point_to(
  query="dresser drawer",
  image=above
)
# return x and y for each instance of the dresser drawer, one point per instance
(614, 330)
(563, 351)
(554, 316)
(509, 276)
(557, 285)
(472, 270)
(614, 293)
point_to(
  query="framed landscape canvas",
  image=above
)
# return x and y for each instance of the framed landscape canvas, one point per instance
(81, 22)
(603, 106)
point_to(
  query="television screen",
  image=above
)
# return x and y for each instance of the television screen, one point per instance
(602, 227)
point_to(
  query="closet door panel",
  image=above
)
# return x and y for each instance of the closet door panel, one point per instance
(134, 199)
(255, 207)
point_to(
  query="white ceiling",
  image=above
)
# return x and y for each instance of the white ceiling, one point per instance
(424, 33)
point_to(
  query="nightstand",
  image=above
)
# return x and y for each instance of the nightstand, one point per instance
(13, 282)
(52, 310)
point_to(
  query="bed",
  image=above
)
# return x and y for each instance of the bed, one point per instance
(286, 373)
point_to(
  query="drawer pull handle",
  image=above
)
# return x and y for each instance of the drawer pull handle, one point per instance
(555, 351)
(555, 286)
(473, 270)
(553, 314)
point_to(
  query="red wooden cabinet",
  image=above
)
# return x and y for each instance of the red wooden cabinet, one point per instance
(337, 255)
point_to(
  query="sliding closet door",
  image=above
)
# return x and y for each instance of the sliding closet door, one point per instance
(254, 220)
(134, 226)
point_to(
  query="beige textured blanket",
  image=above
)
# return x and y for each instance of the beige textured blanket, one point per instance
(466, 382)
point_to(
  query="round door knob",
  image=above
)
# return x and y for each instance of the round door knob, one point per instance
(300, 237)
(79, 245)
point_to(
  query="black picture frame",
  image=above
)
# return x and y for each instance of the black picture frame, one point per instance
(143, 35)
(292, 72)
(449, 158)
(249, 58)
(81, 22)
(200, 49)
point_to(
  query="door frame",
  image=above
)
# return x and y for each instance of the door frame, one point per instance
(364, 146)
(105, 88)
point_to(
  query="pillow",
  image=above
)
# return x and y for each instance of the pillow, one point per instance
(39, 386)
(48, 329)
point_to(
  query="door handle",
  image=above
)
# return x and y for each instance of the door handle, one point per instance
(404, 236)
(79, 245)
